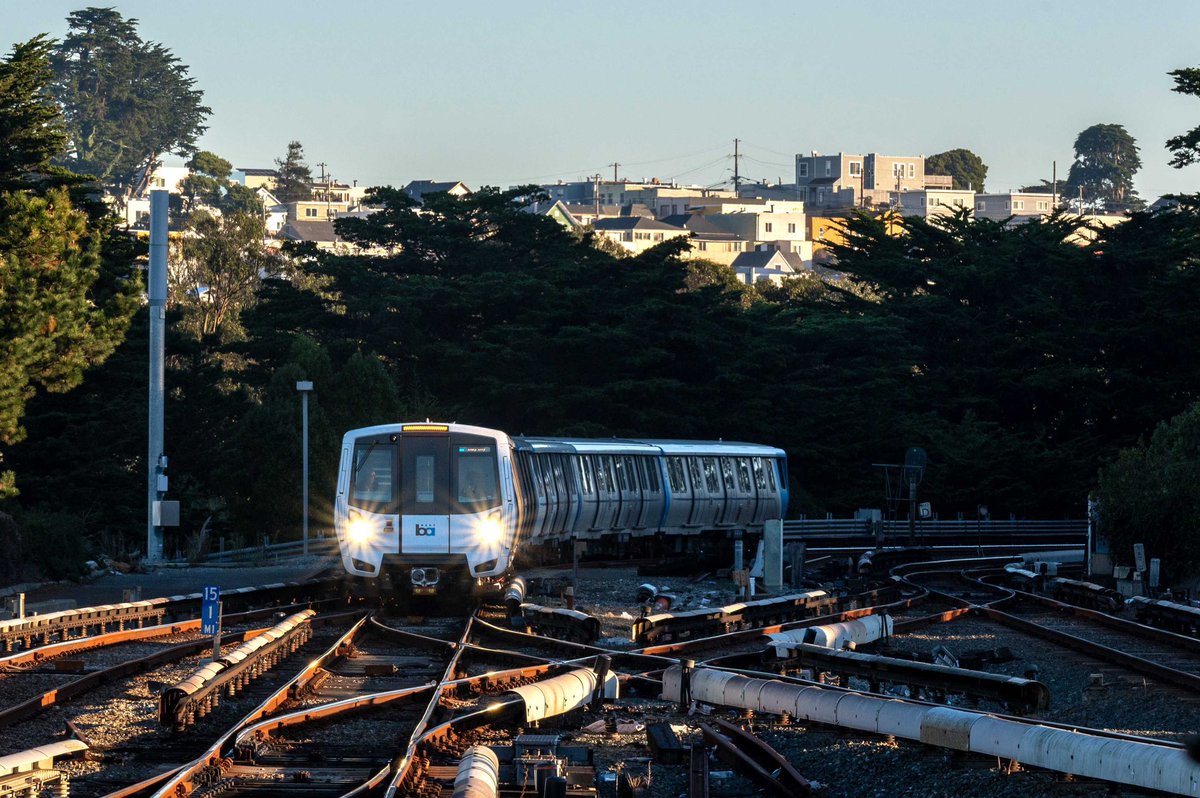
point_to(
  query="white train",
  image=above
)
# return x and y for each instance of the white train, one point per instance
(436, 507)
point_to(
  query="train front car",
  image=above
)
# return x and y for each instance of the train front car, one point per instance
(426, 509)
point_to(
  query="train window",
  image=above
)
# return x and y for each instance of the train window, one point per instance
(694, 468)
(372, 482)
(727, 473)
(771, 475)
(560, 478)
(637, 477)
(604, 476)
(619, 468)
(477, 483)
(675, 475)
(743, 474)
(585, 474)
(651, 465)
(424, 478)
(760, 477)
(711, 482)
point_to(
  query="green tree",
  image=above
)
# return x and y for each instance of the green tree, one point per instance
(208, 180)
(56, 317)
(222, 267)
(968, 169)
(209, 184)
(31, 128)
(1106, 159)
(125, 101)
(295, 178)
(1185, 149)
(1149, 495)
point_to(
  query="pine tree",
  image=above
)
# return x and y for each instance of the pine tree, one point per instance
(125, 101)
(31, 128)
(295, 178)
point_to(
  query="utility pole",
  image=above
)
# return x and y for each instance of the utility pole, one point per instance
(157, 294)
(1054, 185)
(596, 192)
(737, 177)
(305, 388)
(614, 165)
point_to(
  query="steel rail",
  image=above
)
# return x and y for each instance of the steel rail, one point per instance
(1136, 628)
(40, 654)
(751, 755)
(401, 768)
(1164, 673)
(184, 781)
(63, 622)
(59, 695)
(702, 643)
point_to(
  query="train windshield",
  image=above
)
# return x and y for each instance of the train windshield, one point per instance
(476, 479)
(372, 485)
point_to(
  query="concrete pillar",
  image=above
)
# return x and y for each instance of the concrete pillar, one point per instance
(773, 554)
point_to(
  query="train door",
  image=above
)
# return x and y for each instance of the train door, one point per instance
(706, 510)
(425, 494)
(588, 500)
(549, 494)
(679, 500)
(608, 496)
(765, 500)
(651, 511)
(566, 493)
(631, 495)
(745, 490)
(729, 482)
(540, 508)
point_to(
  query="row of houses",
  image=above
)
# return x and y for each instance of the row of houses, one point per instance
(763, 232)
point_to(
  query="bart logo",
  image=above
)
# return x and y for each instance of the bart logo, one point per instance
(426, 531)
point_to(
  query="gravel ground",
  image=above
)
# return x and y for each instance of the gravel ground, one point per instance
(1126, 703)
(107, 588)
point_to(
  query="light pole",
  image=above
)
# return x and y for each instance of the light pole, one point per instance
(305, 387)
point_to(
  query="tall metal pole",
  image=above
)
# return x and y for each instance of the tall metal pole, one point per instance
(157, 293)
(304, 387)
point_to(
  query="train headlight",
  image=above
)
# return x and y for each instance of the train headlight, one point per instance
(490, 531)
(360, 530)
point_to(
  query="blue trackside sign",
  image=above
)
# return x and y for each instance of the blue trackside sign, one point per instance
(210, 610)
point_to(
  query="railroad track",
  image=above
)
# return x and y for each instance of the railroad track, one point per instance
(399, 709)
(1167, 657)
(21, 638)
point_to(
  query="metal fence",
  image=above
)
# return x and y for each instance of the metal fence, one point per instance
(852, 528)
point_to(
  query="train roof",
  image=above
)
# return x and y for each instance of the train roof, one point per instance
(388, 429)
(570, 445)
(653, 446)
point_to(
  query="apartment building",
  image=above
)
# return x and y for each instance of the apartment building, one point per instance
(664, 199)
(999, 207)
(933, 202)
(846, 180)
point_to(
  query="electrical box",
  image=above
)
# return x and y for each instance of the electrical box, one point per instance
(165, 513)
(161, 482)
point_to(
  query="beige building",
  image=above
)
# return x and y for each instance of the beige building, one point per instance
(256, 178)
(637, 234)
(999, 207)
(845, 180)
(933, 202)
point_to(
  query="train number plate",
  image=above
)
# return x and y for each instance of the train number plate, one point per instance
(424, 591)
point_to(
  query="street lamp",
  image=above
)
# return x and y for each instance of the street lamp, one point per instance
(305, 387)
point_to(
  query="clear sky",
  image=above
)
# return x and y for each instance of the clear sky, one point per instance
(498, 93)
